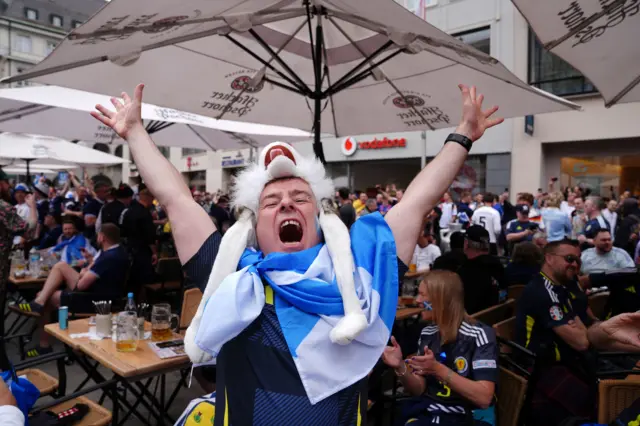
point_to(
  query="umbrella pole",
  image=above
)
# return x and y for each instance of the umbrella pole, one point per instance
(317, 96)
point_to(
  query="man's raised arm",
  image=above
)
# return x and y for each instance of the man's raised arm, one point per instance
(424, 191)
(190, 224)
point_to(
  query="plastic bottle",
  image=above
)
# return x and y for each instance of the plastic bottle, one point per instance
(34, 262)
(131, 305)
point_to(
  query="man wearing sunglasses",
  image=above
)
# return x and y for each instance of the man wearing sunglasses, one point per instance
(554, 322)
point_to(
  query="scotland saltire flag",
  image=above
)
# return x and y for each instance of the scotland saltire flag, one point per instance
(308, 304)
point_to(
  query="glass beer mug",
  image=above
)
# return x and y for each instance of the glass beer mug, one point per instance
(127, 333)
(161, 318)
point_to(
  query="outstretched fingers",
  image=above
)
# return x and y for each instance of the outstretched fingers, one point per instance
(105, 112)
(117, 104)
(137, 93)
(104, 120)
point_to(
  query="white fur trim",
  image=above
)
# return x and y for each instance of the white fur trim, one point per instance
(249, 184)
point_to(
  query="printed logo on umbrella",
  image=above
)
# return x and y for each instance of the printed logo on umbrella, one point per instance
(349, 146)
(244, 83)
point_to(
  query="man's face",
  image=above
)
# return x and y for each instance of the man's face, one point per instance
(399, 194)
(603, 242)
(479, 198)
(589, 207)
(102, 192)
(82, 194)
(372, 206)
(612, 205)
(52, 192)
(49, 222)
(197, 196)
(287, 217)
(579, 204)
(379, 198)
(540, 241)
(20, 196)
(446, 197)
(363, 197)
(466, 199)
(522, 217)
(571, 197)
(68, 230)
(523, 201)
(564, 262)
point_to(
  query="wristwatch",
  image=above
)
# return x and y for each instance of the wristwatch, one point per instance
(461, 139)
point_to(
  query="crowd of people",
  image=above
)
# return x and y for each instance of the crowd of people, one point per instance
(299, 305)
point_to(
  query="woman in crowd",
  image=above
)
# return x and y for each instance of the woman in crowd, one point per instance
(556, 222)
(454, 374)
(525, 263)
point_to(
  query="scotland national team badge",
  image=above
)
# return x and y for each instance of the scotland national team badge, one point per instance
(461, 365)
(556, 313)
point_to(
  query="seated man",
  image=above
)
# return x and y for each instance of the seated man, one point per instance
(102, 279)
(553, 321)
(604, 256)
(52, 232)
(72, 243)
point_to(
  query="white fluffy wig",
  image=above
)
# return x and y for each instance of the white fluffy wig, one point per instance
(277, 161)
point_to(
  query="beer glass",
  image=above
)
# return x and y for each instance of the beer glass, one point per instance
(161, 318)
(127, 333)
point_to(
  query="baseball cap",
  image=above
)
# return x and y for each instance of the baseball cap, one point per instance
(522, 208)
(478, 234)
(21, 187)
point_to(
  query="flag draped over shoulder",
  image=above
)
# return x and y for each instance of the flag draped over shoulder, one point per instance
(308, 305)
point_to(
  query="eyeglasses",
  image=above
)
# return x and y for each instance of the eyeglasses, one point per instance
(569, 258)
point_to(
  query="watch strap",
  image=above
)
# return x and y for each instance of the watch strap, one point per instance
(460, 139)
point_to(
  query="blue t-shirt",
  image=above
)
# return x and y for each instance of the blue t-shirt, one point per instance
(92, 208)
(515, 227)
(592, 227)
(111, 267)
(56, 205)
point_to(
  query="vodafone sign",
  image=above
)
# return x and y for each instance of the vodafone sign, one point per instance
(350, 144)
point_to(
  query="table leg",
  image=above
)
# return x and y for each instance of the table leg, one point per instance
(136, 403)
(116, 405)
(182, 383)
(152, 399)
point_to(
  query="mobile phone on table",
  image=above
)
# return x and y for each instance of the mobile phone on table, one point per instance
(170, 344)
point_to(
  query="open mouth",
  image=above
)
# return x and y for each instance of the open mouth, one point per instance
(290, 231)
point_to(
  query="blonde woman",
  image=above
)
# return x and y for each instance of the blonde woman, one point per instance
(556, 222)
(454, 374)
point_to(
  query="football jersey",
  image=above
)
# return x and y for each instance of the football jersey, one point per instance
(489, 219)
(543, 306)
(473, 355)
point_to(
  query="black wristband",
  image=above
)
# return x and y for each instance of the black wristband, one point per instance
(461, 139)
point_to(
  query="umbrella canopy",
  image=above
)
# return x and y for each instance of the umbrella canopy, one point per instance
(63, 113)
(52, 150)
(356, 66)
(24, 170)
(599, 38)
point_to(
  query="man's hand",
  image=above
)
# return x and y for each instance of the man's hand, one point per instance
(154, 259)
(424, 365)
(30, 201)
(474, 120)
(6, 397)
(127, 116)
(623, 328)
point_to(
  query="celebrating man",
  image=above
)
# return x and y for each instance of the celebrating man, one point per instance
(309, 311)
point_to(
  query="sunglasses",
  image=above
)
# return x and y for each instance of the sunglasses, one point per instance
(569, 258)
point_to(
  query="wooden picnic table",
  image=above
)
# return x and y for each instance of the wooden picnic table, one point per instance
(124, 364)
(27, 282)
(416, 274)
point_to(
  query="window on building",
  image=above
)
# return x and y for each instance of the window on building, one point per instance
(192, 151)
(103, 147)
(56, 20)
(49, 47)
(22, 44)
(480, 38)
(165, 150)
(31, 14)
(552, 74)
(23, 83)
(75, 24)
(417, 7)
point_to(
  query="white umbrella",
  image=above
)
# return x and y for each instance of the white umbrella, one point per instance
(26, 170)
(598, 37)
(357, 66)
(63, 113)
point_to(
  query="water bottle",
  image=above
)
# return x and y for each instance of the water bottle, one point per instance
(34, 262)
(131, 305)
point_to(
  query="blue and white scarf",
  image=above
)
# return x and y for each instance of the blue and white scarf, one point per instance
(308, 305)
(70, 249)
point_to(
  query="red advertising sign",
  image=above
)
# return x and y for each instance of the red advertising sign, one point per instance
(350, 144)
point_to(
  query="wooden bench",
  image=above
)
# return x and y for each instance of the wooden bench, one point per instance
(511, 391)
(497, 313)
